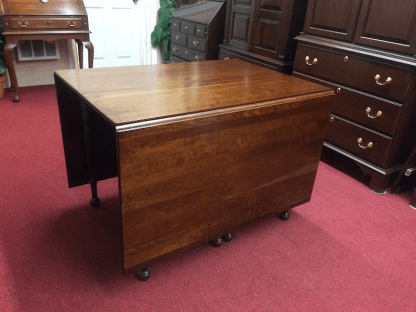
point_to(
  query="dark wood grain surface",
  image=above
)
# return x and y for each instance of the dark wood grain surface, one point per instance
(132, 94)
(188, 182)
(202, 148)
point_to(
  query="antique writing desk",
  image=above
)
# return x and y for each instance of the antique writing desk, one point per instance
(47, 20)
(199, 148)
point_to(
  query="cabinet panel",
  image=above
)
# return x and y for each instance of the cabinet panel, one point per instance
(332, 18)
(268, 27)
(387, 25)
(240, 24)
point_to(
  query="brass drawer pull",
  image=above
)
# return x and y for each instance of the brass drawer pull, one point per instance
(178, 37)
(331, 119)
(196, 43)
(197, 57)
(226, 58)
(338, 90)
(186, 52)
(175, 24)
(377, 78)
(186, 27)
(369, 145)
(368, 111)
(175, 49)
(48, 22)
(71, 23)
(23, 23)
(310, 64)
(173, 61)
(199, 30)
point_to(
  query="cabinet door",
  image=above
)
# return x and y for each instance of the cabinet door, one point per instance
(334, 19)
(269, 33)
(240, 24)
(388, 25)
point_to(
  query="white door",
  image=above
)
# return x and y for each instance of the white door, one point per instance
(121, 32)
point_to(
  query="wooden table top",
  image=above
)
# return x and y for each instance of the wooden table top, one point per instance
(125, 95)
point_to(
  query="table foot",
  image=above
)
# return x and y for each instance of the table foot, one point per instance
(95, 201)
(16, 99)
(217, 242)
(227, 237)
(144, 274)
(284, 216)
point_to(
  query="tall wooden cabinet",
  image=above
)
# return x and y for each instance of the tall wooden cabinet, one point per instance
(365, 50)
(263, 31)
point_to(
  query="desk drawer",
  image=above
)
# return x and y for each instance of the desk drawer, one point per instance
(369, 111)
(48, 23)
(374, 147)
(188, 54)
(178, 38)
(354, 71)
(197, 43)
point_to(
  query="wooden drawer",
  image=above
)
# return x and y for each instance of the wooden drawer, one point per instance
(197, 43)
(175, 24)
(45, 23)
(353, 105)
(175, 59)
(345, 135)
(188, 54)
(354, 71)
(201, 31)
(188, 28)
(178, 38)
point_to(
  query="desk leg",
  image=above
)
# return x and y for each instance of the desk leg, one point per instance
(284, 215)
(8, 48)
(95, 201)
(143, 274)
(80, 53)
(90, 49)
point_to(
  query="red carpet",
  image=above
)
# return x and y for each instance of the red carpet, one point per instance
(347, 250)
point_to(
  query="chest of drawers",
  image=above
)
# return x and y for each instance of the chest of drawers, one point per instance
(196, 32)
(374, 109)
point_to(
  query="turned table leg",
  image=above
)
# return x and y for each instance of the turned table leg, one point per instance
(95, 201)
(413, 199)
(8, 48)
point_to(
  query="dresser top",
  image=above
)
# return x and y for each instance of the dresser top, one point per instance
(126, 95)
(37, 7)
(199, 13)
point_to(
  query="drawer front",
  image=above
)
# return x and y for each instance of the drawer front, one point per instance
(188, 28)
(359, 141)
(197, 43)
(201, 31)
(188, 54)
(364, 109)
(354, 71)
(178, 38)
(48, 23)
(175, 59)
(175, 24)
